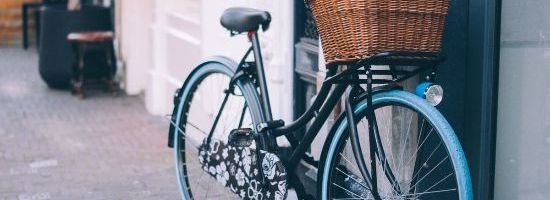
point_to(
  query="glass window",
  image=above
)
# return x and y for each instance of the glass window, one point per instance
(523, 125)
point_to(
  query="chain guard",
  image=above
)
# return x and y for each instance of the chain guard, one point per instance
(236, 168)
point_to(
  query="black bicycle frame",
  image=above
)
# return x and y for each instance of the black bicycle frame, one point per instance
(330, 94)
(320, 109)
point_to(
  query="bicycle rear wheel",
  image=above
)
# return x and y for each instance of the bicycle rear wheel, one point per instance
(203, 98)
(417, 154)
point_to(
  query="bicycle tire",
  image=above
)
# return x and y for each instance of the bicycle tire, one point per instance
(338, 134)
(217, 65)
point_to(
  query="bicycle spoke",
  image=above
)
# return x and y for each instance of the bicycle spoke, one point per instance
(381, 154)
(197, 128)
(236, 115)
(422, 193)
(392, 156)
(346, 190)
(350, 176)
(436, 184)
(429, 172)
(183, 134)
(421, 131)
(390, 174)
(416, 160)
(216, 120)
(427, 160)
(433, 152)
(180, 131)
(420, 146)
(405, 144)
(417, 140)
(353, 165)
(388, 171)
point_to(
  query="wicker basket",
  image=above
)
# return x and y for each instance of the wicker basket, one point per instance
(357, 29)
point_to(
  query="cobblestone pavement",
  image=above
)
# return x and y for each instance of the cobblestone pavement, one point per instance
(55, 146)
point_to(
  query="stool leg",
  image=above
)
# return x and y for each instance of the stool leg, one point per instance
(79, 84)
(75, 68)
(113, 85)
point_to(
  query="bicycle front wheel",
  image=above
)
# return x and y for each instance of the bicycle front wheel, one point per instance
(207, 112)
(415, 154)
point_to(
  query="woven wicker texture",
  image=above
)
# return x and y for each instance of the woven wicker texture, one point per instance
(357, 29)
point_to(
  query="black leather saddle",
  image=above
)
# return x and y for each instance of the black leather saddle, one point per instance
(245, 19)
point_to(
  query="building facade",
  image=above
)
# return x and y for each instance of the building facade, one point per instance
(162, 41)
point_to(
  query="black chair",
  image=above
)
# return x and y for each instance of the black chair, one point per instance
(55, 52)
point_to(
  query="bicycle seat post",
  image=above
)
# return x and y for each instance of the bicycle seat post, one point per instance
(253, 36)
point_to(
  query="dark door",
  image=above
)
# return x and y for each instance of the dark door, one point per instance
(468, 76)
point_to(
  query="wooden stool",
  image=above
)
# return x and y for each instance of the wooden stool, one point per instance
(81, 42)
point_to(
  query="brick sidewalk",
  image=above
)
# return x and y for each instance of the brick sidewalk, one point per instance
(55, 146)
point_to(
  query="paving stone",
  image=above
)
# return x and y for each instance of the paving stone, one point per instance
(55, 146)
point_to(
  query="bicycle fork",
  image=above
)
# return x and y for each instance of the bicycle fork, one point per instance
(375, 144)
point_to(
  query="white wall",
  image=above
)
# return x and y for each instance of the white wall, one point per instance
(523, 120)
(162, 41)
(277, 45)
(134, 25)
(177, 40)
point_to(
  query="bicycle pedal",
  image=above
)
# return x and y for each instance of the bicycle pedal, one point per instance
(241, 137)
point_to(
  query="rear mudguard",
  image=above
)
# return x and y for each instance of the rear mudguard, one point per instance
(179, 93)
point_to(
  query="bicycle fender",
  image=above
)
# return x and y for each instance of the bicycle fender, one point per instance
(179, 92)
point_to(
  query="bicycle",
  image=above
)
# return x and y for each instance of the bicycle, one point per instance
(226, 146)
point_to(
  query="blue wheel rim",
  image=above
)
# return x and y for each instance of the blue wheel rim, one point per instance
(447, 135)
